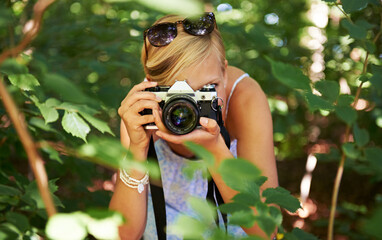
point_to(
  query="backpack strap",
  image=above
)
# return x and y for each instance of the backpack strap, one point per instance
(157, 196)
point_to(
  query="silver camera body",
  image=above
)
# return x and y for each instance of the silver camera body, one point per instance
(182, 107)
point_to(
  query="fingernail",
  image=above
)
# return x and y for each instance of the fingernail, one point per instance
(158, 98)
(204, 121)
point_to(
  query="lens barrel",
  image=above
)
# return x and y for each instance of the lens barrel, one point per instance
(180, 114)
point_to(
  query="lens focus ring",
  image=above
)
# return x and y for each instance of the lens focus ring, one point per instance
(180, 114)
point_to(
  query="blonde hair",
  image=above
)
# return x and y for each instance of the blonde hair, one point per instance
(164, 63)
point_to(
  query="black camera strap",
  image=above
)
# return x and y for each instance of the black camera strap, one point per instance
(157, 194)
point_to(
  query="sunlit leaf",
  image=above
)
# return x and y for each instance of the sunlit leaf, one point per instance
(75, 125)
(289, 75)
(25, 82)
(63, 226)
(103, 224)
(187, 228)
(201, 152)
(242, 218)
(97, 123)
(281, 197)
(205, 211)
(233, 207)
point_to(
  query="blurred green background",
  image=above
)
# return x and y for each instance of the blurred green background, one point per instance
(88, 53)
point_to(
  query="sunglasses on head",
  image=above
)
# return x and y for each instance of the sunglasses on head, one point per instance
(163, 34)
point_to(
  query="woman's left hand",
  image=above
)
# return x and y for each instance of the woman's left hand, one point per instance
(208, 136)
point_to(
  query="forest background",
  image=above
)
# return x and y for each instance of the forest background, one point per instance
(319, 62)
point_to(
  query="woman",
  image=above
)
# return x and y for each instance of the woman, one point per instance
(181, 49)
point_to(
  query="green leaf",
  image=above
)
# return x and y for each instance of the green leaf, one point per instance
(266, 223)
(281, 197)
(350, 150)
(11, 66)
(205, 211)
(246, 199)
(75, 125)
(53, 154)
(185, 7)
(329, 89)
(98, 124)
(67, 90)
(355, 31)
(19, 220)
(316, 102)
(50, 114)
(350, 6)
(103, 224)
(376, 79)
(187, 227)
(240, 175)
(361, 136)
(32, 194)
(363, 78)
(38, 122)
(374, 155)
(201, 152)
(346, 114)
(289, 75)
(242, 218)
(63, 226)
(372, 225)
(233, 207)
(298, 234)
(25, 82)
(345, 100)
(9, 191)
(333, 155)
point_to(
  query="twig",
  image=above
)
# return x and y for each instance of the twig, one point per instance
(340, 170)
(346, 15)
(38, 10)
(17, 117)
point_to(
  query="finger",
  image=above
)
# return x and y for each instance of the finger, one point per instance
(210, 125)
(158, 120)
(140, 87)
(177, 139)
(140, 105)
(145, 119)
(140, 96)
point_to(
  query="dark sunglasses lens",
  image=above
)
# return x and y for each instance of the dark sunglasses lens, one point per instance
(162, 34)
(201, 26)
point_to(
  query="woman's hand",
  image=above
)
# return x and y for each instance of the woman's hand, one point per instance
(208, 136)
(136, 101)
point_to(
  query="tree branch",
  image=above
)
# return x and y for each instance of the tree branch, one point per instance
(17, 118)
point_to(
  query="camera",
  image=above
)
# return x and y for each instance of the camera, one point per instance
(182, 107)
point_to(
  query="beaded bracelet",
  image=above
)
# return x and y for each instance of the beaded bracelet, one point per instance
(132, 182)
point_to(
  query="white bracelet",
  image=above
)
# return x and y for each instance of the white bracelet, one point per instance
(132, 182)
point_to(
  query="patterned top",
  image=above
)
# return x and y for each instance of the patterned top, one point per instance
(177, 188)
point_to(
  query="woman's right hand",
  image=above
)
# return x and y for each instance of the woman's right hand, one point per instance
(136, 101)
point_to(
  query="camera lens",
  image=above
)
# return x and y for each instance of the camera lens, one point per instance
(180, 114)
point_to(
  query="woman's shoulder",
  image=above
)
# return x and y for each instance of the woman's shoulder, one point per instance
(247, 86)
(248, 100)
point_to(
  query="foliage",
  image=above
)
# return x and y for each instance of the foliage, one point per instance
(70, 81)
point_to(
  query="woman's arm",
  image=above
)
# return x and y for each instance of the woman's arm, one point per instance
(128, 201)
